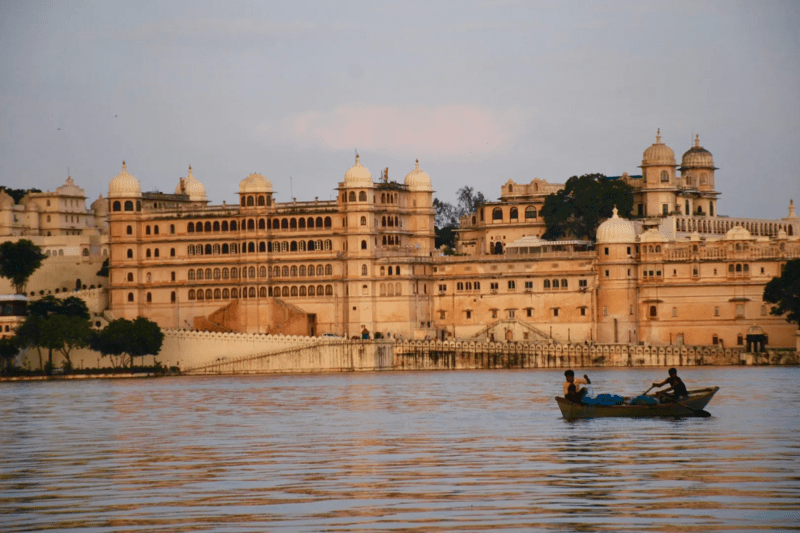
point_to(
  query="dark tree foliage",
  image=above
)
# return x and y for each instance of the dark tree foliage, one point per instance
(18, 261)
(8, 351)
(17, 194)
(577, 210)
(103, 269)
(784, 292)
(131, 338)
(446, 216)
(53, 324)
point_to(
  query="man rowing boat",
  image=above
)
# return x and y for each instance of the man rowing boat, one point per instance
(676, 385)
(576, 394)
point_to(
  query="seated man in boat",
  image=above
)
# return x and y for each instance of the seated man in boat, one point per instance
(676, 385)
(571, 380)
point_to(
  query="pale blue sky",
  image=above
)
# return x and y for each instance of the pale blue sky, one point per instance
(480, 92)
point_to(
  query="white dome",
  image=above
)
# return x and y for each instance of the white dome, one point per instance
(255, 183)
(418, 180)
(100, 206)
(358, 176)
(738, 233)
(652, 235)
(191, 187)
(659, 154)
(616, 230)
(124, 185)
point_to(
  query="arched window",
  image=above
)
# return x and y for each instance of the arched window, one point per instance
(128, 205)
(155, 252)
(130, 296)
(653, 311)
(262, 272)
(513, 214)
(129, 230)
(362, 196)
(328, 222)
(200, 295)
(555, 283)
(251, 224)
(293, 223)
(233, 225)
(207, 249)
(276, 272)
(200, 273)
(250, 201)
(563, 284)
(547, 284)
(285, 291)
(251, 272)
(215, 249)
(226, 294)
(328, 290)
(207, 227)
(224, 273)
(285, 223)
(293, 246)
(198, 227)
(285, 272)
(173, 297)
(146, 230)
(363, 245)
(301, 245)
(149, 297)
(217, 294)
(217, 273)
(363, 270)
(190, 227)
(328, 244)
(225, 249)
(319, 270)
(664, 176)
(311, 270)
(497, 214)
(301, 223)
(130, 276)
(234, 273)
(363, 221)
(262, 224)
(130, 253)
(117, 206)
(252, 292)
(224, 225)
(352, 196)
(190, 249)
(262, 292)
(191, 294)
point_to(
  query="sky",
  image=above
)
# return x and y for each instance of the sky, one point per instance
(479, 91)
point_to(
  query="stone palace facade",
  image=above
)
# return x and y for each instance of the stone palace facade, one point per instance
(365, 263)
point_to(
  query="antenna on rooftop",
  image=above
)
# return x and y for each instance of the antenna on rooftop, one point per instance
(291, 194)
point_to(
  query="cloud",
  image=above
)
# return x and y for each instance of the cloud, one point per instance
(443, 131)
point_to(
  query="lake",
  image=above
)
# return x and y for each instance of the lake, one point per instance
(412, 451)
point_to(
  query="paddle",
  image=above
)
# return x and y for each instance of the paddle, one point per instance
(648, 390)
(697, 412)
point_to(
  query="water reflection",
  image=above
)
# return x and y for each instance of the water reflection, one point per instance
(439, 451)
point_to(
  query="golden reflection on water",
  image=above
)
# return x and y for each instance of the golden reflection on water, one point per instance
(446, 451)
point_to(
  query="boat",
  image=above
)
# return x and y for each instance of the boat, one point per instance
(692, 406)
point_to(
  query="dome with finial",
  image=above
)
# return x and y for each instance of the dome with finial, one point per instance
(659, 154)
(255, 183)
(418, 180)
(192, 187)
(697, 157)
(616, 230)
(124, 185)
(358, 175)
(100, 206)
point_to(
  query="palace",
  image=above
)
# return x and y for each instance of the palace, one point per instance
(365, 263)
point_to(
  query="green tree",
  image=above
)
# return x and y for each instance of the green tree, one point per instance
(446, 216)
(17, 194)
(8, 351)
(784, 292)
(53, 324)
(18, 261)
(577, 209)
(125, 339)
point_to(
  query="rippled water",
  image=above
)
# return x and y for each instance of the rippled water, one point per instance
(443, 451)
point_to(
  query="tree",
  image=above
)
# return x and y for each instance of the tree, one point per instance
(18, 261)
(446, 216)
(53, 324)
(131, 338)
(784, 292)
(17, 194)
(8, 351)
(577, 209)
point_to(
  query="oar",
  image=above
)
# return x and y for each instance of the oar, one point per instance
(648, 390)
(697, 412)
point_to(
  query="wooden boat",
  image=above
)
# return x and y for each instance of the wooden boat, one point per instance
(686, 407)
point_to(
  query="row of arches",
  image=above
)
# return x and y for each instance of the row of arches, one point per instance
(262, 271)
(260, 247)
(128, 205)
(260, 292)
(720, 227)
(253, 201)
(351, 196)
(261, 223)
(390, 289)
(513, 214)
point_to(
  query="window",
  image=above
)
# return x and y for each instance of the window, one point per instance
(363, 221)
(513, 214)
(497, 214)
(528, 285)
(583, 311)
(582, 283)
(494, 313)
(530, 212)
(363, 245)
(443, 288)
(665, 209)
(529, 311)
(664, 176)
(130, 296)
(362, 196)
(511, 313)
(130, 253)
(363, 270)
(469, 313)
(605, 250)
(653, 311)
(130, 276)
(129, 230)
(512, 285)
(716, 311)
(739, 310)
(494, 286)
(555, 311)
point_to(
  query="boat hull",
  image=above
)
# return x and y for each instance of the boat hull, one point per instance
(692, 406)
